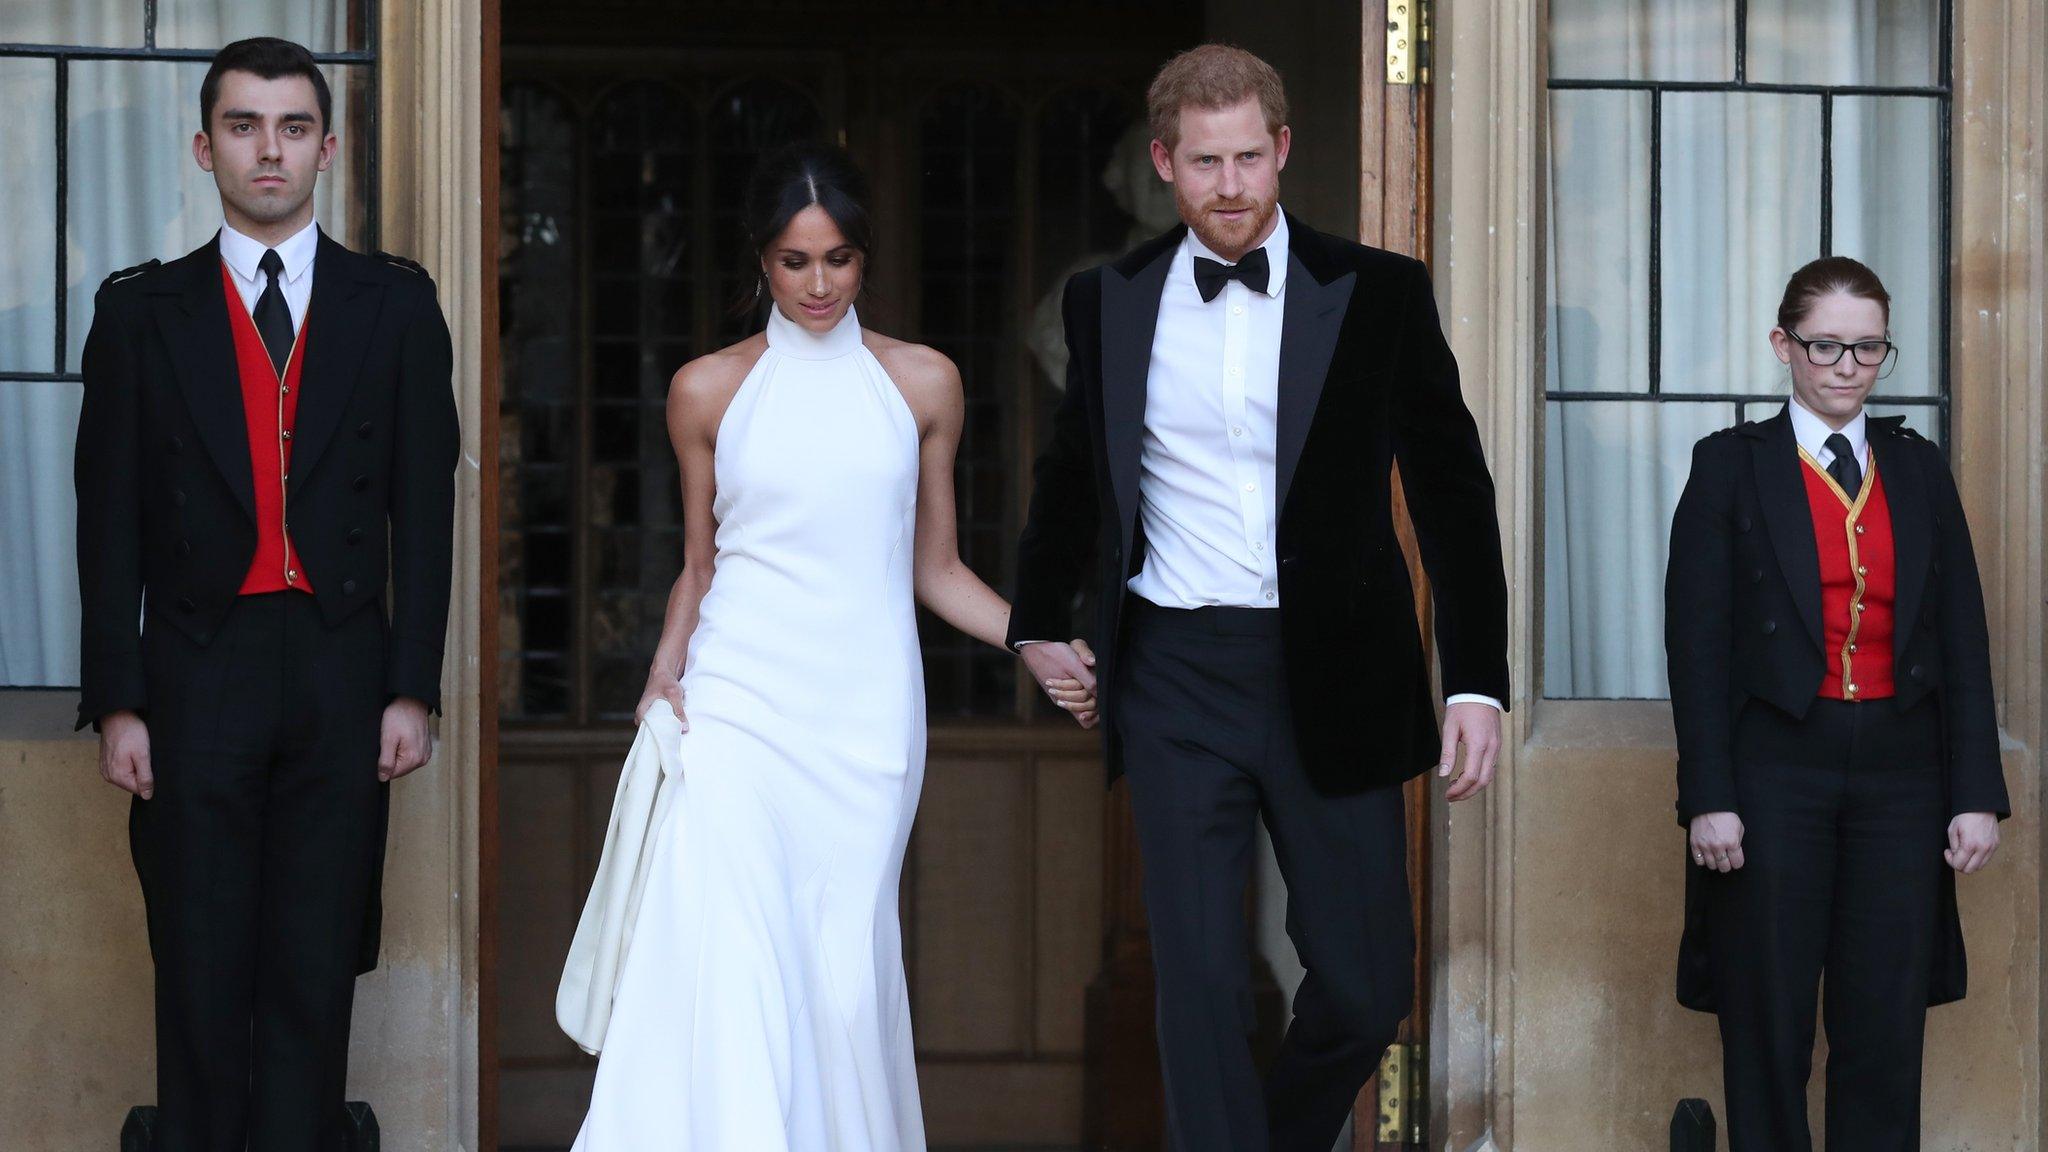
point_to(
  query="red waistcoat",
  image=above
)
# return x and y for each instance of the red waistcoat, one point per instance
(271, 407)
(1858, 582)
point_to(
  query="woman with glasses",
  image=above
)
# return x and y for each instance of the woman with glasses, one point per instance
(1837, 751)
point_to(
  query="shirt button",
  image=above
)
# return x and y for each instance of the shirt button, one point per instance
(1272, 595)
(1237, 431)
(1251, 487)
(1237, 310)
(1258, 545)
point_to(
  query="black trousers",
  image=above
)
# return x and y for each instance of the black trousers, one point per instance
(1844, 822)
(1209, 748)
(257, 854)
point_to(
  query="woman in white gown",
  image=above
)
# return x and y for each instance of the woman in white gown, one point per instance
(761, 1004)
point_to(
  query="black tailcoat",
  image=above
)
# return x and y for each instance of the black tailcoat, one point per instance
(1742, 620)
(166, 501)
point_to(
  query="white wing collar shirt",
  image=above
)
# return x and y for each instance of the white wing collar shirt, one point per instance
(243, 255)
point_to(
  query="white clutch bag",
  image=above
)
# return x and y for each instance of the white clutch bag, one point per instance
(647, 787)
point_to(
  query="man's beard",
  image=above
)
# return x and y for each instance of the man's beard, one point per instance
(1229, 240)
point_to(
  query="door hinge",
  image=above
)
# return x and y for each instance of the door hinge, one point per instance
(1408, 41)
(1404, 1112)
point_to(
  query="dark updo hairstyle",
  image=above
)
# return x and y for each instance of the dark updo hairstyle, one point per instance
(791, 179)
(1824, 276)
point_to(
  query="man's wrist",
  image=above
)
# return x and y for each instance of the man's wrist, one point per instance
(1474, 698)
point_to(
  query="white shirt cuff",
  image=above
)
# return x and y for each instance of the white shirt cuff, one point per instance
(1474, 698)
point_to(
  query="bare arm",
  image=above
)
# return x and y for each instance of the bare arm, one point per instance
(697, 399)
(944, 582)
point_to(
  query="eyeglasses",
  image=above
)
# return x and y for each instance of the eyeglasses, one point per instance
(1828, 353)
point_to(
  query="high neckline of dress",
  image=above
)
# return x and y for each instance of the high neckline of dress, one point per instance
(793, 339)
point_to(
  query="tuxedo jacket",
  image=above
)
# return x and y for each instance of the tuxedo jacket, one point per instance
(1365, 380)
(1742, 623)
(166, 500)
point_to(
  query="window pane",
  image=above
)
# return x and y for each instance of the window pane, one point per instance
(539, 321)
(1599, 265)
(1844, 41)
(1643, 39)
(28, 216)
(1612, 474)
(38, 519)
(969, 139)
(321, 25)
(1922, 418)
(99, 23)
(135, 192)
(1741, 212)
(1887, 208)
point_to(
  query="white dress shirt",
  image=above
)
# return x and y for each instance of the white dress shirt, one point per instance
(244, 257)
(1206, 468)
(1206, 465)
(1812, 434)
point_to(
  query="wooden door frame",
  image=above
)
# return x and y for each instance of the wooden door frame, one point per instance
(1394, 214)
(487, 619)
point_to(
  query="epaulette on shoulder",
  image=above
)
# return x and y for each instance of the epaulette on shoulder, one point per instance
(1728, 431)
(127, 273)
(402, 262)
(1910, 432)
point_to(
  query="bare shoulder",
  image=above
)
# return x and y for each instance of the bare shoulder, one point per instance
(926, 375)
(701, 388)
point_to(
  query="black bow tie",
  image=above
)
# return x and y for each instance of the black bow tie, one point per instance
(1251, 271)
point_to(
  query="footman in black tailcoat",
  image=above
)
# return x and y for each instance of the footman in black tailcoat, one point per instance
(265, 476)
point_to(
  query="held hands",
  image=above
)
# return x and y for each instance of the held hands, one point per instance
(1477, 727)
(407, 742)
(661, 685)
(1717, 841)
(1972, 838)
(1067, 673)
(124, 753)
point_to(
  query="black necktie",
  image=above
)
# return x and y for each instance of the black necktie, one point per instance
(1251, 271)
(1843, 467)
(273, 316)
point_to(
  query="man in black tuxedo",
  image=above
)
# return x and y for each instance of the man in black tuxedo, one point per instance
(268, 439)
(1238, 391)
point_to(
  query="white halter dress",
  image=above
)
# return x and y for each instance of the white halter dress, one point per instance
(761, 1004)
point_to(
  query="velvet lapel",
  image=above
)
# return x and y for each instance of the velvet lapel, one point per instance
(1130, 316)
(1782, 491)
(1312, 316)
(1905, 490)
(339, 319)
(192, 314)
